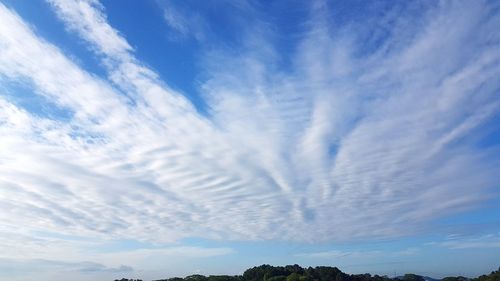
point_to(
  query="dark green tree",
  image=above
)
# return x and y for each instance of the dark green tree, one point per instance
(293, 277)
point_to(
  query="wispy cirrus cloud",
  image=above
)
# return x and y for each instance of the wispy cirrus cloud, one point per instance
(348, 144)
(36, 265)
(487, 241)
(337, 254)
(20, 269)
(183, 24)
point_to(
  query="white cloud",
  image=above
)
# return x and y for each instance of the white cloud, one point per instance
(337, 255)
(184, 24)
(12, 269)
(343, 147)
(488, 241)
(325, 254)
(41, 265)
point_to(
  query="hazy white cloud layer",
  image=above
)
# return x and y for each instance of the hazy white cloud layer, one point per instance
(345, 145)
(486, 241)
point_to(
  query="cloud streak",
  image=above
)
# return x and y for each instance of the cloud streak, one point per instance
(488, 241)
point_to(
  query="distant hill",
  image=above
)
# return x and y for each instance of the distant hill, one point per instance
(425, 278)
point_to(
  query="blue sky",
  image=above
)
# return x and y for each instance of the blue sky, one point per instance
(151, 139)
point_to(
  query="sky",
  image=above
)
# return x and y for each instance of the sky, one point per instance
(152, 139)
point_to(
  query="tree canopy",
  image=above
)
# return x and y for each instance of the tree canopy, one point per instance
(295, 272)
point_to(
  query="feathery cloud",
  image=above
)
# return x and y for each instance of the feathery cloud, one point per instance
(345, 145)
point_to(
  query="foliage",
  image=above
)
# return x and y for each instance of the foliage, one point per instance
(413, 277)
(493, 276)
(295, 272)
(455, 278)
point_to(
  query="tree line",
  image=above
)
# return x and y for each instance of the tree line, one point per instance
(295, 272)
